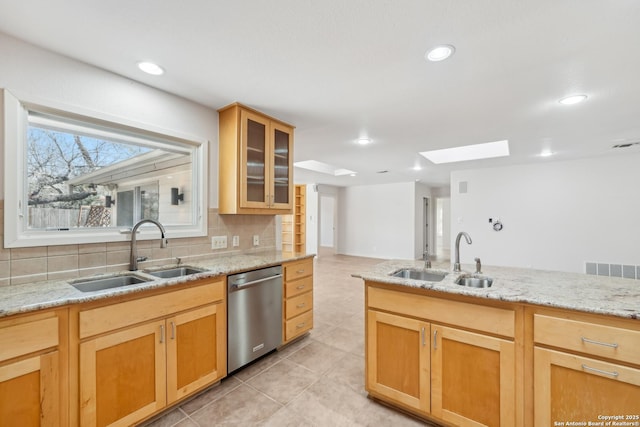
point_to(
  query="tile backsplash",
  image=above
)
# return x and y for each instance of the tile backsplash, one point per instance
(24, 265)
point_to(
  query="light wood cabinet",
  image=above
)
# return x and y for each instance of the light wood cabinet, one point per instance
(465, 377)
(294, 230)
(33, 355)
(602, 379)
(297, 318)
(398, 359)
(134, 368)
(255, 162)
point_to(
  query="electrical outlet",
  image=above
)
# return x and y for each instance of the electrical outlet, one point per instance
(236, 241)
(218, 242)
(256, 240)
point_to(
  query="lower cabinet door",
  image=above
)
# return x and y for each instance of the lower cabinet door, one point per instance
(196, 350)
(574, 388)
(29, 391)
(472, 378)
(398, 359)
(123, 376)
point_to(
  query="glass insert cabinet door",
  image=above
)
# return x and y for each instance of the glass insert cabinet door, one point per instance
(266, 174)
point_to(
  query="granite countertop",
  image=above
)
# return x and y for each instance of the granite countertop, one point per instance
(612, 296)
(29, 297)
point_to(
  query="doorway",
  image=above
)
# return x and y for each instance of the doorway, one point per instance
(327, 241)
(426, 234)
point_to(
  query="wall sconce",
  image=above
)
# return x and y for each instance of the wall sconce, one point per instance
(175, 197)
(108, 201)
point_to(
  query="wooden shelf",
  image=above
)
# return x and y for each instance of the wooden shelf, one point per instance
(294, 234)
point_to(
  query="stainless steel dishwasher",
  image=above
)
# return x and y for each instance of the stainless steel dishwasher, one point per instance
(254, 315)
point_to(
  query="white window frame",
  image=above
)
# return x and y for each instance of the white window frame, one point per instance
(14, 140)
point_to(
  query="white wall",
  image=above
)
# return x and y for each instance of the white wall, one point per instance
(377, 221)
(556, 215)
(312, 219)
(327, 220)
(38, 75)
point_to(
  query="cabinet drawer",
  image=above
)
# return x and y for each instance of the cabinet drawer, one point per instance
(590, 338)
(493, 320)
(297, 305)
(115, 316)
(298, 287)
(297, 269)
(27, 337)
(298, 325)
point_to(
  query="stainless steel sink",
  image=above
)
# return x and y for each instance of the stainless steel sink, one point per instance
(102, 283)
(416, 274)
(475, 281)
(175, 272)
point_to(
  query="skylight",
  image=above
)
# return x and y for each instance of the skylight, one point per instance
(468, 152)
(316, 166)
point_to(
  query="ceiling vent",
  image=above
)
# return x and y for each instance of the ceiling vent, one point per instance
(626, 145)
(383, 171)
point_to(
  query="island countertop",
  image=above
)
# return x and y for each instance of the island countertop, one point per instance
(611, 296)
(28, 297)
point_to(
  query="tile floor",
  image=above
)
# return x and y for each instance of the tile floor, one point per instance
(318, 381)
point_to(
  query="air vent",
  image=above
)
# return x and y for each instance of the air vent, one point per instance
(382, 172)
(626, 145)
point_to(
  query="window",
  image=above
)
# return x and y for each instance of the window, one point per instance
(81, 179)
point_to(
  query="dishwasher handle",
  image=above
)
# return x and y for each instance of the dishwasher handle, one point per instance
(236, 287)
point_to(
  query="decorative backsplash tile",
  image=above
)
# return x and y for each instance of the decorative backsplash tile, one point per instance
(613, 270)
(24, 265)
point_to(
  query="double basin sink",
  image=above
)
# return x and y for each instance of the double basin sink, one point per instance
(95, 284)
(469, 280)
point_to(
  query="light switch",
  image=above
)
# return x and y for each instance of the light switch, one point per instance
(218, 242)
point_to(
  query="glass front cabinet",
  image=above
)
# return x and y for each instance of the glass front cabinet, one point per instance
(255, 163)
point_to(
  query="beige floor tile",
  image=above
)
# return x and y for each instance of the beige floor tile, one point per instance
(343, 339)
(168, 420)
(284, 381)
(259, 366)
(211, 394)
(286, 418)
(243, 406)
(317, 356)
(350, 371)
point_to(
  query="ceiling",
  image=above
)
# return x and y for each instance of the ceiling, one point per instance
(343, 69)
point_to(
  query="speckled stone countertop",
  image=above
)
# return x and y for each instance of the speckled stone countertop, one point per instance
(612, 296)
(42, 295)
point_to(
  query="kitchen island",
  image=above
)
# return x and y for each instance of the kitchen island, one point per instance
(534, 349)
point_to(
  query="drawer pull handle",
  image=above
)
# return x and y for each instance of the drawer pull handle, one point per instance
(606, 344)
(600, 371)
(435, 339)
(300, 305)
(300, 287)
(422, 335)
(300, 271)
(301, 325)
(161, 334)
(173, 330)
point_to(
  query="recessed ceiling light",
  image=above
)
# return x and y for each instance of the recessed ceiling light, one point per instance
(364, 141)
(353, 174)
(440, 53)
(151, 68)
(546, 153)
(573, 99)
(468, 152)
(417, 168)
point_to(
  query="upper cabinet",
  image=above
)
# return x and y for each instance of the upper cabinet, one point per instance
(255, 163)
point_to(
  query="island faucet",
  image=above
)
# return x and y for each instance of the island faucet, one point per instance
(425, 257)
(133, 261)
(456, 265)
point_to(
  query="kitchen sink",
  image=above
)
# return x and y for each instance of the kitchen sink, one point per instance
(416, 274)
(475, 281)
(175, 272)
(102, 283)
